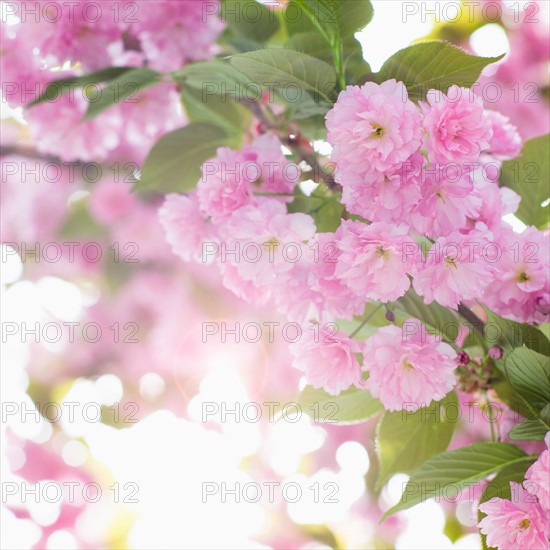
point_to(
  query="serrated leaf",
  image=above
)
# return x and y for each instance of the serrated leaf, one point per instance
(436, 318)
(121, 88)
(510, 335)
(433, 65)
(250, 20)
(529, 176)
(174, 163)
(217, 110)
(447, 473)
(529, 374)
(405, 440)
(217, 77)
(56, 88)
(529, 430)
(278, 68)
(352, 406)
(334, 18)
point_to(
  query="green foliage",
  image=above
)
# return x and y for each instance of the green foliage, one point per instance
(325, 29)
(405, 440)
(80, 223)
(437, 319)
(334, 19)
(174, 163)
(217, 77)
(532, 429)
(351, 406)
(529, 176)
(278, 69)
(324, 207)
(249, 24)
(529, 374)
(119, 84)
(217, 110)
(56, 88)
(446, 474)
(122, 88)
(510, 335)
(436, 65)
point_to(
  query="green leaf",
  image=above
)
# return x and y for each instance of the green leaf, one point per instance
(352, 406)
(323, 207)
(56, 88)
(499, 486)
(217, 77)
(249, 20)
(529, 374)
(80, 223)
(218, 110)
(436, 318)
(529, 430)
(312, 43)
(353, 16)
(510, 335)
(446, 474)
(433, 65)
(333, 18)
(405, 440)
(279, 68)
(122, 88)
(174, 163)
(529, 176)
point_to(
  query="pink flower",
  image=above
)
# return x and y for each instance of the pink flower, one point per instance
(338, 299)
(448, 200)
(146, 117)
(519, 524)
(110, 200)
(173, 33)
(186, 230)
(521, 287)
(506, 142)
(495, 203)
(407, 366)
(375, 260)
(458, 129)
(59, 129)
(539, 474)
(229, 181)
(373, 128)
(82, 35)
(384, 197)
(458, 267)
(327, 359)
(267, 242)
(19, 66)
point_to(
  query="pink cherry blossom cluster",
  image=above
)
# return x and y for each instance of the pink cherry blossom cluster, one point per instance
(410, 175)
(522, 523)
(163, 35)
(434, 172)
(62, 40)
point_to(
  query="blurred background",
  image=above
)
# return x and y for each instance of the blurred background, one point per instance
(124, 424)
